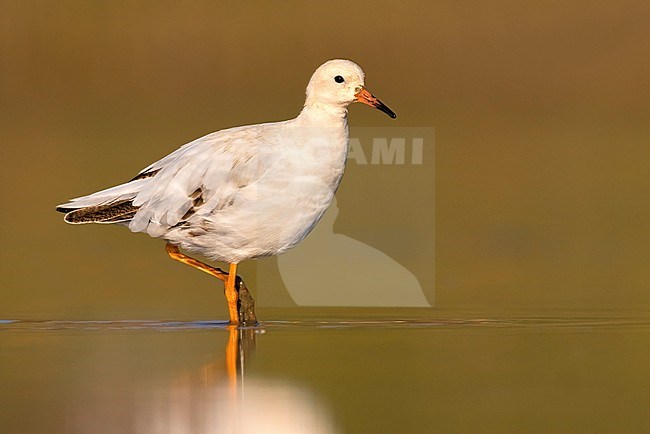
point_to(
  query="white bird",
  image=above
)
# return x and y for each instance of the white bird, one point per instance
(243, 192)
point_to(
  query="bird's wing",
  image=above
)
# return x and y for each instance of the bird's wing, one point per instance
(199, 177)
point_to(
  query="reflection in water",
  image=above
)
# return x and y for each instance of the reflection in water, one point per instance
(218, 398)
(566, 373)
(145, 377)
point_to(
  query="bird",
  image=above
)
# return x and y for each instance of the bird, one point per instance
(244, 192)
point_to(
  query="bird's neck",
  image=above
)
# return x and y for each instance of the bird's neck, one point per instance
(323, 115)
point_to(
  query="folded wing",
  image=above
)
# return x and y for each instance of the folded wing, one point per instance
(198, 178)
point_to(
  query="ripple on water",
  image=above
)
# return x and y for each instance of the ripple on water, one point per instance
(512, 322)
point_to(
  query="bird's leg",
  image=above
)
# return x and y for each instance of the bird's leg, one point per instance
(232, 295)
(176, 254)
(229, 279)
(241, 306)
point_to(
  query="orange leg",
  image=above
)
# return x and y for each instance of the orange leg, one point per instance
(232, 356)
(228, 278)
(231, 294)
(176, 254)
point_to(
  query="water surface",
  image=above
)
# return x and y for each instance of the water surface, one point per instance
(516, 374)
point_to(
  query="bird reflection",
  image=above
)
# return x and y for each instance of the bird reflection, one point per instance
(219, 397)
(240, 347)
(230, 370)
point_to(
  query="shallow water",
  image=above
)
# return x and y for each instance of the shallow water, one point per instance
(517, 374)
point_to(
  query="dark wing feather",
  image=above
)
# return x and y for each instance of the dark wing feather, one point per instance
(145, 174)
(110, 213)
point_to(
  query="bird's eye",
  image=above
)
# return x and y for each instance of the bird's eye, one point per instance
(339, 79)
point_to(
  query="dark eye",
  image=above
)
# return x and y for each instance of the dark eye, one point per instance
(339, 79)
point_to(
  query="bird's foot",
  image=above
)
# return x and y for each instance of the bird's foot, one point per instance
(245, 304)
(241, 304)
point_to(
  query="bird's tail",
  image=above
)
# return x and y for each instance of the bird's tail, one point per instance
(111, 213)
(113, 205)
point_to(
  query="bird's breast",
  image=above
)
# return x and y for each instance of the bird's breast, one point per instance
(304, 184)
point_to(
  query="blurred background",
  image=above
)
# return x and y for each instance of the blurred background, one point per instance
(542, 173)
(526, 227)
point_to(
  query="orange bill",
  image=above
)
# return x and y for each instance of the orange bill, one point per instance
(367, 98)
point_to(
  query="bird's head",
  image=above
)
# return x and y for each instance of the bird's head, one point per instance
(338, 83)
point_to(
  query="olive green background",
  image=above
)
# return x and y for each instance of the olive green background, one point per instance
(542, 171)
(538, 256)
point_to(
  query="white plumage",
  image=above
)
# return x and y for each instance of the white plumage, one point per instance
(243, 192)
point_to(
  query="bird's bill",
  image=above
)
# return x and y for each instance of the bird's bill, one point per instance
(366, 97)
